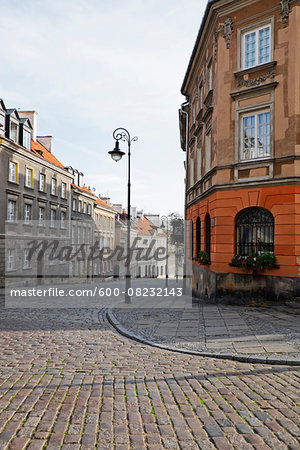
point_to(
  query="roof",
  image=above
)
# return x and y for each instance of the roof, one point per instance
(145, 226)
(98, 200)
(102, 203)
(208, 6)
(40, 150)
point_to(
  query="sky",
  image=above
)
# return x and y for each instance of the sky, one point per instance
(90, 66)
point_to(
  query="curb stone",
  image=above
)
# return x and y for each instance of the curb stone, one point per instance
(283, 360)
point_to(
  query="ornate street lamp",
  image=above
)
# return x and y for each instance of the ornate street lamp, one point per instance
(121, 134)
(165, 218)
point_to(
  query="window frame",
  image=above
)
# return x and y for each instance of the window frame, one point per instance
(209, 76)
(63, 189)
(14, 203)
(28, 169)
(52, 218)
(208, 155)
(16, 172)
(241, 32)
(26, 260)
(53, 191)
(42, 176)
(10, 259)
(255, 227)
(41, 216)
(27, 213)
(13, 125)
(254, 113)
(26, 139)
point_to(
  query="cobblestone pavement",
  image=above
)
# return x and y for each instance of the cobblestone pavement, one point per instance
(68, 380)
(266, 334)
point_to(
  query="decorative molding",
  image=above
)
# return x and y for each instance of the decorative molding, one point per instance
(285, 11)
(261, 88)
(228, 30)
(254, 69)
(256, 81)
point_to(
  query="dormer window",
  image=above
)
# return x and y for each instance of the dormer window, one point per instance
(13, 132)
(26, 139)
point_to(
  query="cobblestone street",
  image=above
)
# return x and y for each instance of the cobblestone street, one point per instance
(68, 380)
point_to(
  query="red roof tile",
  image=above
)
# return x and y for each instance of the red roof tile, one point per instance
(41, 151)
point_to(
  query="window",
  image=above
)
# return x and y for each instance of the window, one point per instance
(27, 213)
(191, 171)
(29, 178)
(42, 182)
(73, 234)
(62, 219)
(89, 209)
(198, 236)
(13, 172)
(74, 205)
(256, 47)
(207, 234)
(209, 77)
(52, 217)
(80, 206)
(14, 132)
(199, 160)
(10, 259)
(26, 262)
(254, 231)
(201, 96)
(41, 215)
(53, 186)
(84, 207)
(207, 151)
(11, 211)
(193, 117)
(63, 190)
(26, 139)
(256, 135)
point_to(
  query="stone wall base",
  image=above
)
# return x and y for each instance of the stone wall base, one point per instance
(242, 288)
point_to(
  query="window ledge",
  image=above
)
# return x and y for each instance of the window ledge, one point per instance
(254, 69)
(16, 183)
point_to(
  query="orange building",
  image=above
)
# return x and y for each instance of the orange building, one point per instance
(240, 130)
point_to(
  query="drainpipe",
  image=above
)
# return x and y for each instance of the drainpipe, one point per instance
(182, 110)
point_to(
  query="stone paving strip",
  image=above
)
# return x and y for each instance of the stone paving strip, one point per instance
(68, 380)
(269, 334)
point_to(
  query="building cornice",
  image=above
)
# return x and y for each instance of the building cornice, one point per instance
(244, 185)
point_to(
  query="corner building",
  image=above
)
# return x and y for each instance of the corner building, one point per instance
(240, 130)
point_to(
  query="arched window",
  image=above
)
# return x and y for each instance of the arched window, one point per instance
(254, 231)
(207, 234)
(198, 236)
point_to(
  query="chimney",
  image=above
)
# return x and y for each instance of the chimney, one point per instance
(32, 116)
(106, 200)
(46, 141)
(118, 207)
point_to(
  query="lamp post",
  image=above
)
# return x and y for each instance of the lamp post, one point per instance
(165, 218)
(121, 134)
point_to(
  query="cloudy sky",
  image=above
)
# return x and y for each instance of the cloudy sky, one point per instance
(90, 66)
